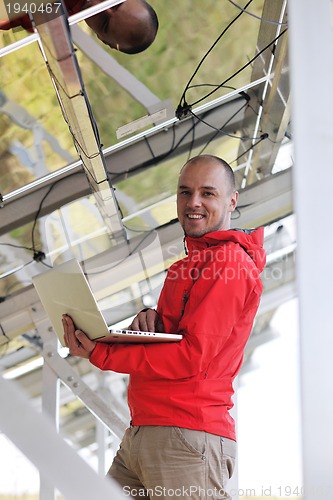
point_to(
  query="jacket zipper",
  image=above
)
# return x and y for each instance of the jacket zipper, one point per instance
(185, 299)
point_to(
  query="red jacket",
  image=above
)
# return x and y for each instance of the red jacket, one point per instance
(211, 297)
(72, 6)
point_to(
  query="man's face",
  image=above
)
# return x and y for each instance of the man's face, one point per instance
(205, 199)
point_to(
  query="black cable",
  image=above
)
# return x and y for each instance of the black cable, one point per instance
(188, 106)
(61, 86)
(157, 159)
(183, 106)
(136, 230)
(262, 138)
(149, 147)
(239, 214)
(46, 265)
(16, 246)
(210, 85)
(37, 215)
(222, 127)
(222, 132)
(38, 255)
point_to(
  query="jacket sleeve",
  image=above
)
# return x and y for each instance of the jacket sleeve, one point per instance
(216, 303)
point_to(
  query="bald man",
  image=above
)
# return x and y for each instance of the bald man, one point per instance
(182, 440)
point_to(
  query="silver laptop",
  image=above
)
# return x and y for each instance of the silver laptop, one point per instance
(65, 290)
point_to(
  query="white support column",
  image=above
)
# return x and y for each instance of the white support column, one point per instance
(233, 484)
(55, 369)
(50, 407)
(101, 431)
(311, 71)
(50, 387)
(52, 456)
(101, 437)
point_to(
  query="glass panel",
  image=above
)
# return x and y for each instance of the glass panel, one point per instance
(35, 139)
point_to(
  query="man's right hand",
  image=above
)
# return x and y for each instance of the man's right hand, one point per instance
(77, 341)
(147, 320)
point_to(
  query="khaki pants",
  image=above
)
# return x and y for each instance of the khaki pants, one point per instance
(170, 462)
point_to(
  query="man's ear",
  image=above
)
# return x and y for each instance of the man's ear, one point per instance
(233, 200)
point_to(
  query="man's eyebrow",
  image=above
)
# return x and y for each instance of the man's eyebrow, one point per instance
(211, 188)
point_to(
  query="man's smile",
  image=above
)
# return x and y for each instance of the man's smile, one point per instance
(194, 215)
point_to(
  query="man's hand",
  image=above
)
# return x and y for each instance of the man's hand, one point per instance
(77, 341)
(147, 321)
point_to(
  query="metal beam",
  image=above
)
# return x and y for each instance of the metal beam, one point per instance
(59, 54)
(21, 206)
(268, 101)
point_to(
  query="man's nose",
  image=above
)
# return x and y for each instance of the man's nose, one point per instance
(194, 200)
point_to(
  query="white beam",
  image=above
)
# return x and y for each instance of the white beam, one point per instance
(38, 439)
(311, 49)
(50, 398)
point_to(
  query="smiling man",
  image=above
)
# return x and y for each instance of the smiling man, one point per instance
(182, 440)
(129, 27)
(205, 202)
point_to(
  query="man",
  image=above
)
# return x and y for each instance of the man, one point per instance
(182, 437)
(130, 26)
